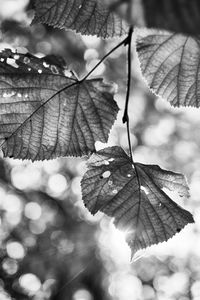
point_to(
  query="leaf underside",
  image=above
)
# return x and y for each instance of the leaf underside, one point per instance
(37, 122)
(142, 209)
(170, 63)
(89, 17)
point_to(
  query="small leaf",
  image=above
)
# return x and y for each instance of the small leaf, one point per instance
(38, 122)
(134, 196)
(89, 17)
(171, 65)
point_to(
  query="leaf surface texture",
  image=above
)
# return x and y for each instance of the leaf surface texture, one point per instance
(42, 119)
(170, 63)
(89, 17)
(142, 208)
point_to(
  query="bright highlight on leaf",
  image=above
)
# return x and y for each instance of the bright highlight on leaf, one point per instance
(44, 114)
(134, 196)
(170, 64)
(89, 17)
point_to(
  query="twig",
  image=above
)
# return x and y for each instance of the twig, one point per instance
(125, 118)
(124, 42)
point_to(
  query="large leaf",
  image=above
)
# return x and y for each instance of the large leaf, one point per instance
(134, 196)
(171, 65)
(39, 122)
(96, 17)
(89, 17)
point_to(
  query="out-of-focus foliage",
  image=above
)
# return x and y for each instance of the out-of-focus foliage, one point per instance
(46, 242)
(50, 245)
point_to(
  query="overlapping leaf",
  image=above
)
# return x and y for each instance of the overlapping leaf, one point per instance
(89, 17)
(97, 17)
(171, 65)
(135, 197)
(38, 122)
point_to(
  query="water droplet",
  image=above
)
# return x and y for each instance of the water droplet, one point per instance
(106, 162)
(114, 191)
(54, 69)
(39, 71)
(8, 94)
(29, 69)
(110, 182)
(12, 62)
(145, 190)
(46, 65)
(106, 174)
(111, 159)
(128, 175)
(67, 73)
(26, 60)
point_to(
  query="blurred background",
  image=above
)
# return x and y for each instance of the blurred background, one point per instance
(50, 245)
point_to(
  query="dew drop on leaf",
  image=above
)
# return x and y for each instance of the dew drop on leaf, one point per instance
(106, 174)
(26, 60)
(111, 159)
(45, 64)
(54, 69)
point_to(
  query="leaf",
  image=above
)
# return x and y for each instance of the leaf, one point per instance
(89, 17)
(139, 206)
(171, 65)
(38, 122)
(180, 16)
(173, 15)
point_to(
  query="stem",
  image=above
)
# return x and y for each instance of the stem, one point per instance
(125, 118)
(123, 42)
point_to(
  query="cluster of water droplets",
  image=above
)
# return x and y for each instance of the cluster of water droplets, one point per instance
(107, 174)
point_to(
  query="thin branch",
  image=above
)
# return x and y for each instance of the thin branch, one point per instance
(125, 118)
(123, 42)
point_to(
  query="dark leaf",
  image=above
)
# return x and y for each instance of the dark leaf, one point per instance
(139, 206)
(174, 15)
